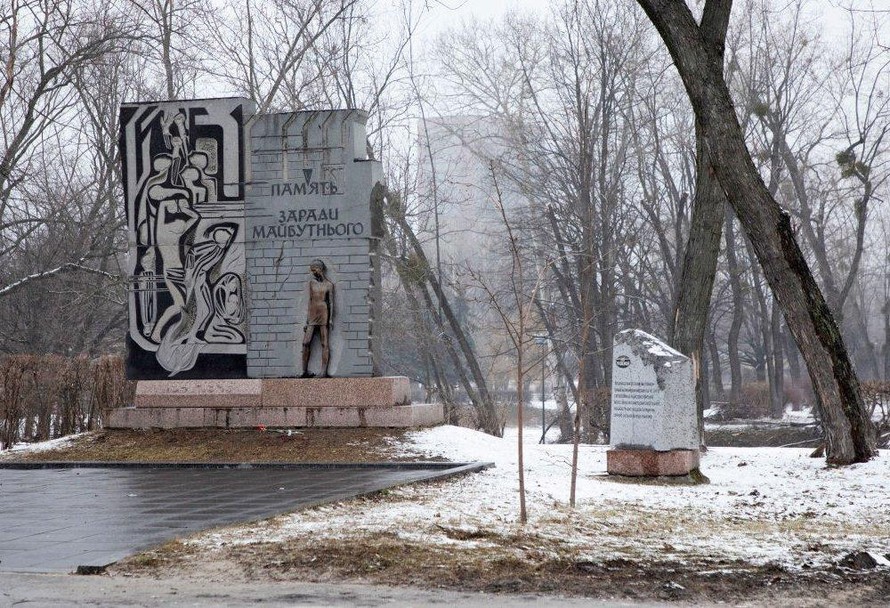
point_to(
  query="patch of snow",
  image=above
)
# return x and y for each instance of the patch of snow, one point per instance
(790, 416)
(550, 404)
(880, 559)
(801, 416)
(763, 505)
(43, 446)
(711, 412)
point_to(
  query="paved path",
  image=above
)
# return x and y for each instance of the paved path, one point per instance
(58, 591)
(56, 519)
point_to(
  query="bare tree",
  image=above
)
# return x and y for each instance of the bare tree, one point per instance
(47, 42)
(417, 274)
(59, 223)
(849, 433)
(171, 32)
(560, 93)
(696, 281)
(269, 52)
(514, 303)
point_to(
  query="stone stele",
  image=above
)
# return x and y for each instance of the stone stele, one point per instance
(654, 424)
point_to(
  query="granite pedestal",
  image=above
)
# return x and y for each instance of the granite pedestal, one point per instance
(651, 463)
(279, 402)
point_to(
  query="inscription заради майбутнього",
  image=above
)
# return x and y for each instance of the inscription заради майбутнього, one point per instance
(310, 223)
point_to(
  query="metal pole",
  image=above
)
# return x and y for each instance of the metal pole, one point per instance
(543, 421)
(542, 342)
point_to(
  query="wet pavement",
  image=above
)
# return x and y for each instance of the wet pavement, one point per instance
(63, 517)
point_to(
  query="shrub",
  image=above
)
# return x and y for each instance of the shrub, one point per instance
(48, 396)
(877, 401)
(753, 402)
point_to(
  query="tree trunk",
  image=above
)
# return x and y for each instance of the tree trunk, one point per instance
(696, 283)
(565, 414)
(849, 434)
(738, 308)
(793, 356)
(586, 378)
(488, 419)
(520, 423)
(868, 360)
(477, 389)
(166, 23)
(777, 381)
(704, 397)
(559, 348)
(446, 394)
(716, 369)
(886, 311)
(766, 371)
(690, 318)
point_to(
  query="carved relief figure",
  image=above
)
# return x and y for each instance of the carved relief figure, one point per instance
(188, 262)
(319, 317)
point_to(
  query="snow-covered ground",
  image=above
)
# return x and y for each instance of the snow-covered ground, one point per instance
(763, 505)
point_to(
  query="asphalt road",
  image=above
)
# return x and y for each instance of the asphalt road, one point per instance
(59, 590)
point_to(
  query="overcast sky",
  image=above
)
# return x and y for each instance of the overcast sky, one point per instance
(830, 14)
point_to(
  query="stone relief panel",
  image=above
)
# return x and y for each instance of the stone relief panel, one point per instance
(184, 182)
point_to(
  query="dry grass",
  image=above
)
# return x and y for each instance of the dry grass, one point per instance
(509, 562)
(224, 445)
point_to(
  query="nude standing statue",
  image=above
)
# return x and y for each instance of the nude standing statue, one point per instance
(319, 316)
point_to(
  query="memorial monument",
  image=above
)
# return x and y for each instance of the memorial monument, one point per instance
(654, 421)
(253, 268)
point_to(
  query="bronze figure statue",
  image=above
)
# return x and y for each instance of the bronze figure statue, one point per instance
(319, 317)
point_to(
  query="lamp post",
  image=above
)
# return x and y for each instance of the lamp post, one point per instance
(541, 341)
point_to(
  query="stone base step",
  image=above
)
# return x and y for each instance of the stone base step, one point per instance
(399, 416)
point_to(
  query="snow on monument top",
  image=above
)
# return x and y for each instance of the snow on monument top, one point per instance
(653, 347)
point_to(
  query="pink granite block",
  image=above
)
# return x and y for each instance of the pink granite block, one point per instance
(273, 417)
(164, 418)
(270, 416)
(216, 417)
(426, 414)
(128, 418)
(414, 415)
(281, 416)
(168, 418)
(335, 416)
(198, 393)
(295, 416)
(650, 463)
(122, 418)
(336, 392)
(242, 417)
(189, 417)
